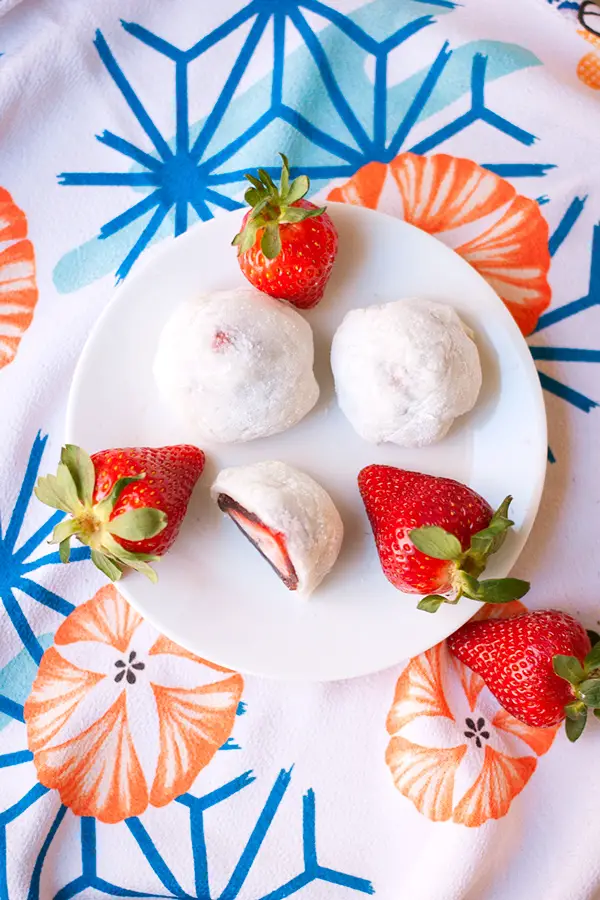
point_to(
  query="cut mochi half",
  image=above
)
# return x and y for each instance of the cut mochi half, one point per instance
(290, 519)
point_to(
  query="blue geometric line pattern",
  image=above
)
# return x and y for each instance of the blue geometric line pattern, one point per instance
(312, 870)
(184, 174)
(16, 563)
(478, 112)
(592, 298)
(565, 225)
(184, 178)
(15, 759)
(11, 709)
(188, 175)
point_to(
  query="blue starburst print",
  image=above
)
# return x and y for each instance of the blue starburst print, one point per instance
(189, 177)
(198, 172)
(194, 174)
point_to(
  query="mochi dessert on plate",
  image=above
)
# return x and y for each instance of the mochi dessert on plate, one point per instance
(288, 517)
(404, 371)
(237, 365)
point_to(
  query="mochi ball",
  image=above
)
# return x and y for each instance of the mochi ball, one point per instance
(236, 365)
(404, 371)
(291, 520)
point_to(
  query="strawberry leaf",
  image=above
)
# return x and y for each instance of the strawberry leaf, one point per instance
(138, 524)
(574, 727)
(46, 490)
(64, 550)
(267, 181)
(298, 214)
(248, 236)
(111, 569)
(501, 514)
(467, 586)
(298, 188)
(271, 242)
(64, 530)
(490, 539)
(257, 210)
(144, 569)
(126, 559)
(255, 181)
(575, 709)
(569, 668)
(106, 506)
(252, 197)
(435, 542)
(81, 467)
(431, 604)
(592, 660)
(589, 692)
(284, 181)
(125, 556)
(501, 590)
(66, 487)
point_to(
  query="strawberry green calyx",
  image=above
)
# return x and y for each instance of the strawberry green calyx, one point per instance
(71, 490)
(468, 565)
(272, 206)
(584, 679)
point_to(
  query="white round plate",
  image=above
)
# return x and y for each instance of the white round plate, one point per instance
(216, 595)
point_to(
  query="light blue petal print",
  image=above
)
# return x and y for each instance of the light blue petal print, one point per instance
(17, 677)
(100, 256)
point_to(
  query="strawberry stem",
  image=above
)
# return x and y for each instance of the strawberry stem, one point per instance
(437, 543)
(71, 490)
(272, 206)
(584, 680)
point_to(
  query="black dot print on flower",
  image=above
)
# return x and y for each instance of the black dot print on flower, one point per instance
(476, 731)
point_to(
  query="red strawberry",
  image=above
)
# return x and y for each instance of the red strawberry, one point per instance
(434, 535)
(538, 665)
(126, 504)
(287, 245)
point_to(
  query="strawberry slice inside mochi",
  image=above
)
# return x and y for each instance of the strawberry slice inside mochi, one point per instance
(270, 544)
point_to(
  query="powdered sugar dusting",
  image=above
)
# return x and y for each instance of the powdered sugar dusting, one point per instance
(237, 364)
(404, 371)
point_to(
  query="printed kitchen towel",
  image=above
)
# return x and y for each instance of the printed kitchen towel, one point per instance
(122, 125)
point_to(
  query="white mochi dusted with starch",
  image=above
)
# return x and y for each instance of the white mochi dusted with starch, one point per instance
(236, 365)
(288, 517)
(404, 371)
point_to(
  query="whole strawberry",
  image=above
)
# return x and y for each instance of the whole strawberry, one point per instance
(287, 245)
(126, 504)
(434, 536)
(539, 666)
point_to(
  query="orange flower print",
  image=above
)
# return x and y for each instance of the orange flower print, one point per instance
(18, 290)
(120, 717)
(453, 751)
(480, 215)
(588, 68)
